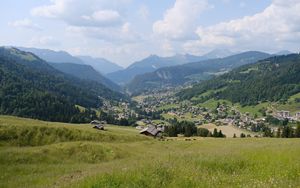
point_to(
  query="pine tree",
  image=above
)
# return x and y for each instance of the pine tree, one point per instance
(215, 133)
(297, 131)
(220, 134)
(278, 133)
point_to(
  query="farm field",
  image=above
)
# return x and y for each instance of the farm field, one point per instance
(42, 154)
(228, 130)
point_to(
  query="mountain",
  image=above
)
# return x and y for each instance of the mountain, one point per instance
(30, 87)
(85, 72)
(191, 72)
(283, 52)
(273, 79)
(150, 64)
(154, 62)
(100, 64)
(53, 56)
(218, 53)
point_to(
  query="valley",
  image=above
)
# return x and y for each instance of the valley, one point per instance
(67, 125)
(149, 94)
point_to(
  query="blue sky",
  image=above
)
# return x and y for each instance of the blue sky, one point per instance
(124, 31)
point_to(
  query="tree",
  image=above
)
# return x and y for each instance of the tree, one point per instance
(242, 135)
(278, 133)
(287, 132)
(297, 131)
(220, 134)
(124, 122)
(268, 132)
(215, 133)
(203, 132)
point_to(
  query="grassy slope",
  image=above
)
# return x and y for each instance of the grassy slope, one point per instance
(252, 110)
(120, 158)
(291, 105)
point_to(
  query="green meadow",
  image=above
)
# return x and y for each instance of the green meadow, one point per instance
(42, 154)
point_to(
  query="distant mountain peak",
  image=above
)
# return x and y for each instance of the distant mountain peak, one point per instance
(283, 52)
(52, 55)
(218, 53)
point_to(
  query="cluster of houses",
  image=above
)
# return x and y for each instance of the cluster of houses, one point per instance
(120, 111)
(283, 114)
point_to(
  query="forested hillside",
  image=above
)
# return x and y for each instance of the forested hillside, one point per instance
(53, 56)
(102, 65)
(85, 72)
(29, 87)
(191, 72)
(272, 79)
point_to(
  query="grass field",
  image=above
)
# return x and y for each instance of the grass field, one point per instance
(41, 154)
(252, 110)
(291, 105)
(228, 130)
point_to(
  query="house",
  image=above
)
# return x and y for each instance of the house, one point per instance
(283, 114)
(97, 124)
(297, 115)
(151, 130)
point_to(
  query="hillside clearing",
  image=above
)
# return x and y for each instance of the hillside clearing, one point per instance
(228, 130)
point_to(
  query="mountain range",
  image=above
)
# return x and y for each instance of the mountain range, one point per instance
(154, 62)
(272, 79)
(101, 65)
(53, 56)
(191, 72)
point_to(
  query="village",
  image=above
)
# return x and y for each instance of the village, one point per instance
(223, 114)
(151, 113)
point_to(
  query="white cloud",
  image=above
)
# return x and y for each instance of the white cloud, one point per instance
(25, 23)
(102, 18)
(93, 13)
(123, 34)
(179, 22)
(270, 30)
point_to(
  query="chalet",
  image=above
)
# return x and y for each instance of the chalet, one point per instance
(151, 130)
(98, 125)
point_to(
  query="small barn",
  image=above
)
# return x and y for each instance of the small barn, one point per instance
(151, 131)
(97, 124)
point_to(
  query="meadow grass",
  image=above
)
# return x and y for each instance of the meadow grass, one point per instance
(119, 157)
(291, 105)
(253, 110)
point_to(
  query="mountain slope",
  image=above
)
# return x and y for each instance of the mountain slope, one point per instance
(53, 56)
(29, 87)
(191, 72)
(272, 79)
(100, 64)
(85, 72)
(150, 64)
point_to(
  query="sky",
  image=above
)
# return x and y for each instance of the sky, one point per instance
(125, 31)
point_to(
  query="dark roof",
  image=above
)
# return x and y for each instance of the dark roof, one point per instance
(150, 130)
(95, 122)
